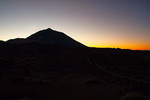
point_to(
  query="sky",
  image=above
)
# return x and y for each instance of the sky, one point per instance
(96, 23)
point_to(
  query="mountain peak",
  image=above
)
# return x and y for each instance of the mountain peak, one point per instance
(44, 30)
(49, 29)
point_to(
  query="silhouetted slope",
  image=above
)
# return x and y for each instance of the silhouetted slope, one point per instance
(17, 40)
(1, 41)
(49, 36)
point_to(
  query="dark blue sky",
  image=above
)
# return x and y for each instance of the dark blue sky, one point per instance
(100, 23)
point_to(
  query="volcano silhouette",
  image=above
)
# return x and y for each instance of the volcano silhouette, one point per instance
(49, 36)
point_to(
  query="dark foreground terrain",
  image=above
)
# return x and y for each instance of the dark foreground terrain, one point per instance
(47, 72)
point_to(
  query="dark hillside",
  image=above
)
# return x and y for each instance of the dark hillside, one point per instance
(42, 72)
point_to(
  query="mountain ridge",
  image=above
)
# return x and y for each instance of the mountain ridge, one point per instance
(48, 36)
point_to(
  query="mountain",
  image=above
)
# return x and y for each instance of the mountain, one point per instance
(48, 36)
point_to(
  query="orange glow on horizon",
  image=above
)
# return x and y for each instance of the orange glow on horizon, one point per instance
(135, 47)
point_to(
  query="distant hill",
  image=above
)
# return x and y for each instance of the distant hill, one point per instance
(48, 36)
(16, 41)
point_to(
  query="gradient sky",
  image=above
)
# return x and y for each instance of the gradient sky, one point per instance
(96, 23)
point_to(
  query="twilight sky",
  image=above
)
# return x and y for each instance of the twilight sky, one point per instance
(96, 23)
